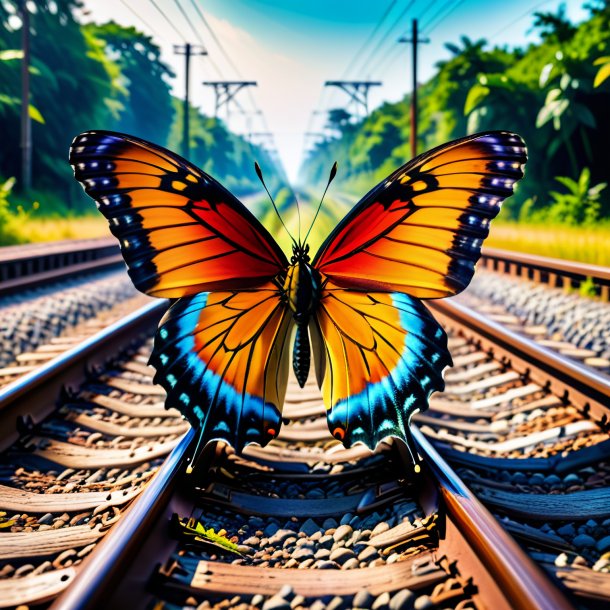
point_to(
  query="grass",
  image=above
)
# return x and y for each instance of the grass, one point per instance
(54, 229)
(583, 244)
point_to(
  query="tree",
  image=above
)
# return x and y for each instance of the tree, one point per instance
(145, 102)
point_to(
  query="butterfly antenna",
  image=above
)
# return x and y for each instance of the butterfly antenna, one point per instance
(331, 177)
(298, 215)
(259, 173)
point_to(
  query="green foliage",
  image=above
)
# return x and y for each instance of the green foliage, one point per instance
(554, 94)
(604, 72)
(144, 103)
(580, 205)
(587, 288)
(11, 216)
(197, 531)
(100, 76)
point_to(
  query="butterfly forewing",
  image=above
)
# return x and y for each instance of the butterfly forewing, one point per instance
(420, 231)
(181, 232)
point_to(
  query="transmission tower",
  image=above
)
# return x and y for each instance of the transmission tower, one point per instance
(358, 90)
(225, 92)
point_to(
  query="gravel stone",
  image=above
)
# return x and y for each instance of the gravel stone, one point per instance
(328, 565)
(382, 602)
(271, 529)
(583, 541)
(368, 554)
(341, 555)
(423, 602)
(337, 603)
(363, 599)
(276, 603)
(302, 553)
(381, 527)
(309, 527)
(603, 545)
(403, 600)
(342, 532)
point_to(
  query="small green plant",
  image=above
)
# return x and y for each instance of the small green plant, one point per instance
(579, 206)
(11, 220)
(197, 531)
(587, 288)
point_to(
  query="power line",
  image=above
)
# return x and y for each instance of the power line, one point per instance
(215, 38)
(510, 25)
(442, 18)
(168, 20)
(389, 30)
(197, 34)
(387, 60)
(138, 16)
(371, 36)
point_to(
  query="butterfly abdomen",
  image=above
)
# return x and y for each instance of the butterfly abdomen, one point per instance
(301, 354)
(301, 288)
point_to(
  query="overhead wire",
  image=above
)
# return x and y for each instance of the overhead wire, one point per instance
(190, 23)
(438, 18)
(168, 20)
(515, 21)
(371, 37)
(388, 32)
(138, 16)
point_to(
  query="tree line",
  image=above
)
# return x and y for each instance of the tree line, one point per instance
(555, 94)
(100, 76)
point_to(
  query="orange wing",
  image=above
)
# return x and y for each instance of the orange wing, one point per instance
(181, 232)
(223, 359)
(379, 357)
(421, 230)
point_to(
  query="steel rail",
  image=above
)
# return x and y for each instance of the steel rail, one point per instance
(540, 268)
(586, 390)
(33, 395)
(518, 578)
(101, 569)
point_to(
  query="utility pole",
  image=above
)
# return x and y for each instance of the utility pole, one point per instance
(187, 50)
(26, 124)
(414, 40)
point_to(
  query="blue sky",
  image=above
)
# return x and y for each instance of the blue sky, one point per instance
(292, 46)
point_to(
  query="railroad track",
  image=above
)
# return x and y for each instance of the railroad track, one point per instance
(526, 434)
(527, 429)
(77, 506)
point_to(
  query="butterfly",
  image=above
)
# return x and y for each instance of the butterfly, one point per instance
(222, 350)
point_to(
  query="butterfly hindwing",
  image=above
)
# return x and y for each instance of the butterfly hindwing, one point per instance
(380, 356)
(420, 231)
(223, 359)
(181, 232)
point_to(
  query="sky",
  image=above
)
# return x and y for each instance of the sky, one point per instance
(291, 47)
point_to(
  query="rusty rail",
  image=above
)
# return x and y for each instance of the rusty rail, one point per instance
(33, 394)
(555, 272)
(586, 390)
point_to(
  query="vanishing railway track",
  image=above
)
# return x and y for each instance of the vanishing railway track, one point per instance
(88, 501)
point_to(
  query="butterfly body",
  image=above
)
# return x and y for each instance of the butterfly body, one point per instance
(222, 351)
(301, 291)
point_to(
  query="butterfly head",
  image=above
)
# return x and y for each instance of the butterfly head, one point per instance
(300, 253)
